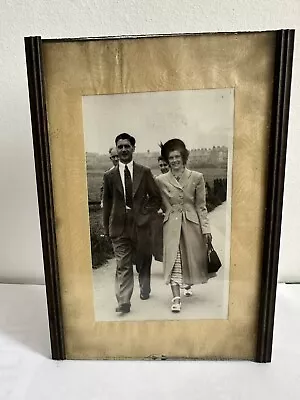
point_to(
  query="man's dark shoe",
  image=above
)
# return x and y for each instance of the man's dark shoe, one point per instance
(144, 296)
(123, 308)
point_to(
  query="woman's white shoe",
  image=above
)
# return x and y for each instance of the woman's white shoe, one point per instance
(176, 307)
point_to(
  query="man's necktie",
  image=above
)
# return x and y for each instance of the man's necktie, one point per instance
(128, 187)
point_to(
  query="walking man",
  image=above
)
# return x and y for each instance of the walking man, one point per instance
(130, 198)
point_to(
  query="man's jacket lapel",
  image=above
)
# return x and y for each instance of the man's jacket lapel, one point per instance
(171, 178)
(117, 180)
(137, 176)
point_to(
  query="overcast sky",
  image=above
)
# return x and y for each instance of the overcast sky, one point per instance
(202, 118)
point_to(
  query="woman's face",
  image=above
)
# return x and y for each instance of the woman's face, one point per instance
(175, 160)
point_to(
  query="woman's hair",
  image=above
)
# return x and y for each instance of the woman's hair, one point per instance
(172, 145)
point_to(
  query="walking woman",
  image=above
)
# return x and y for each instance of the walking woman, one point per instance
(186, 225)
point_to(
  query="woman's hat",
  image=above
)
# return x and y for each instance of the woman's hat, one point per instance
(170, 145)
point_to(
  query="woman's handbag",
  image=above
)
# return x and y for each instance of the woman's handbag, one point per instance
(213, 261)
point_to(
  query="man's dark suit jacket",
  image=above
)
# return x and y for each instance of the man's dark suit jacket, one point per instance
(146, 199)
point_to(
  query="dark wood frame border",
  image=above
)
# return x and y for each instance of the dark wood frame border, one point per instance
(274, 196)
(274, 200)
(41, 148)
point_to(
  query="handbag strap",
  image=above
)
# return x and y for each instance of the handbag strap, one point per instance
(210, 247)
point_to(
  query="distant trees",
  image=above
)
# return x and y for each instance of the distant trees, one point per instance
(217, 194)
(220, 189)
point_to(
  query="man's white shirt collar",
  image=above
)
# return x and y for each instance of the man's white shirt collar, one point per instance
(130, 167)
(121, 171)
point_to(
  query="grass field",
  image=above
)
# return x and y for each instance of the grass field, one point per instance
(101, 248)
(95, 178)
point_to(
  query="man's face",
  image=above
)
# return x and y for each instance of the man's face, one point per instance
(164, 168)
(125, 150)
(114, 156)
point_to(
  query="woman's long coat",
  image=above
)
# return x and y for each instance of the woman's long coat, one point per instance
(185, 222)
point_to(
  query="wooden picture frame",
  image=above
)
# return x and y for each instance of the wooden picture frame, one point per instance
(42, 92)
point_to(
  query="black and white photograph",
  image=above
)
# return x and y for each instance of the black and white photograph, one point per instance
(159, 171)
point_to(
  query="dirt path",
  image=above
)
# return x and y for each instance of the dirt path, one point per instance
(209, 301)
